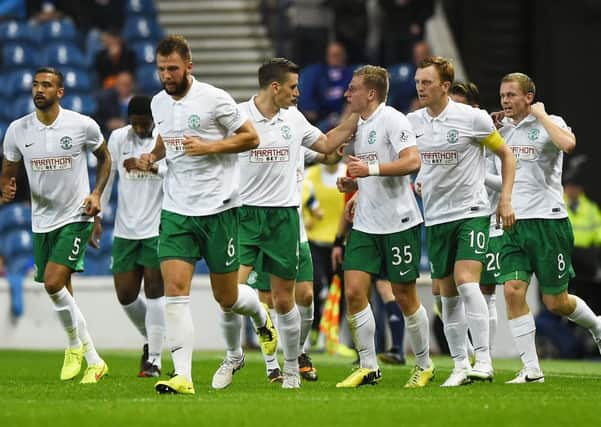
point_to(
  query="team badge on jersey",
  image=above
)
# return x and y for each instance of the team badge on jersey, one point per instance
(285, 130)
(533, 134)
(194, 121)
(371, 138)
(66, 142)
(452, 136)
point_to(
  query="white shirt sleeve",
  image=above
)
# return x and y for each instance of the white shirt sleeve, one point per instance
(483, 125)
(310, 133)
(94, 136)
(228, 114)
(400, 132)
(11, 151)
(113, 146)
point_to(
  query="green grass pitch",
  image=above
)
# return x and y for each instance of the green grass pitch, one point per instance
(32, 395)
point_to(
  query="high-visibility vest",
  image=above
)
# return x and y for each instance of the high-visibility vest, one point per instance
(586, 222)
(331, 202)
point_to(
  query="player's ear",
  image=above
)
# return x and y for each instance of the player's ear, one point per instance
(60, 92)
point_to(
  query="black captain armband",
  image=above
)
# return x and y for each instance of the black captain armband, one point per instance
(339, 240)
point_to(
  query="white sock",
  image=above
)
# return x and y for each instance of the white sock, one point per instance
(306, 315)
(136, 311)
(248, 304)
(523, 331)
(418, 332)
(180, 334)
(90, 353)
(155, 328)
(476, 312)
(363, 328)
(584, 316)
(455, 329)
(289, 329)
(231, 324)
(491, 302)
(64, 305)
(271, 361)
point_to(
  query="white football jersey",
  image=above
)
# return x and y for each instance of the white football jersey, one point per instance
(453, 164)
(140, 193)
(55, 159)
(386, 204)
(198, 185)
(268, 173)
(537, 190)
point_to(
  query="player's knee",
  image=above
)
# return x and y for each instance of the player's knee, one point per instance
(514, 292)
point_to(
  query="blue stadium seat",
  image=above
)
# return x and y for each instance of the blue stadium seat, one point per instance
(18, 242)
(93, 45)
(201, 267)
(63, 54)
(147, 79)
(106, 241)
(14, 216)
(58, 30)
(18, 55)
(23, 105)
(83, 104)
(3, 126)
(97, 266)
(145, 52)
(19, 82)
(402, 86)
(19, 264)
(108, 215)
(139, 28)
(21, 32)
(145, 8)
(77, 82)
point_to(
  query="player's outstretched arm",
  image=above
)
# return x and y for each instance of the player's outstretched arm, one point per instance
(407, 163)
(244, 139)
(328, 143)
(8, 180)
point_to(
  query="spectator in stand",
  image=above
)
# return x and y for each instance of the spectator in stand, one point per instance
(402, 25)
(322, 95)
(113, 59)
(112, 103)
(350, 27)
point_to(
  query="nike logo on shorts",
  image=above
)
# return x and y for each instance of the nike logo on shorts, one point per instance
(560, 276)
(230, 262)
(402, 273)
(496, 274)
(70, 258)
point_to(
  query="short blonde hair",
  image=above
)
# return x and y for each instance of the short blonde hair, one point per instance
(375, 78)
(525, 83)
(446, 71)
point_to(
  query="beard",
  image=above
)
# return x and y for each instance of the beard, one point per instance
(180, 88)
(44, 104)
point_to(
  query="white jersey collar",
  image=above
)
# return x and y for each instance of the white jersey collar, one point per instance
(53, 125)
(258, 117)
(372, 116)
(443, 116)
(528, 119)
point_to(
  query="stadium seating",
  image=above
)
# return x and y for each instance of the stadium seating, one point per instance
(145, 8)
(17, 242)
(140, 28)
(147, 80)
(64, 54)
(402, 87)
(19, 82)
(3, 126)
(84, 104)
(77, 82)
(18, 55)
(145, 52)
(14, 216)
(19, 32)
(58, 30)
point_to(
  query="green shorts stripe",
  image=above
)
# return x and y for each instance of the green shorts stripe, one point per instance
(394, 256)
(540, 246)
(129, 254)
(190, 238)
(65, 246)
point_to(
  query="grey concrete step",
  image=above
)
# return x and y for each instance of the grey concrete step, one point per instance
(169, 6)
(254, 56)
(227, 68)
(221, 31)
(220, 43)
(237, 82)
(215, 19)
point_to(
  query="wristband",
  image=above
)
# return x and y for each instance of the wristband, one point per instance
(339, 240)
(373, 169)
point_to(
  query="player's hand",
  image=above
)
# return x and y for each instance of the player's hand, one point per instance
(505, 214)
(146, 161)
(337, 257)
(538, 110)
(418, 188)
(91, 204)
(356, 167)
(497, 118)
(349, 210)
(194, 146)
(346, 184)
(9, 190)
(96, 233)
(133, 163)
